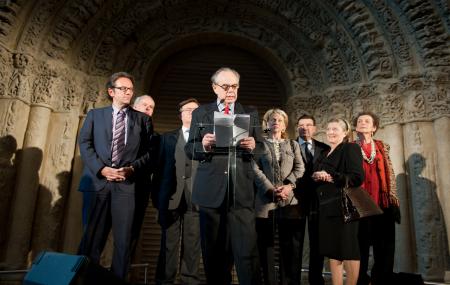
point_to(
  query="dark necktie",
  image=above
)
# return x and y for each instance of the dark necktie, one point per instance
(309, 156)
(118, 138)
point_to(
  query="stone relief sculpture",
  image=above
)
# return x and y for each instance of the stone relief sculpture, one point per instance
(340, 57)
(5, 66)
(19, 83)
(42, 87)
(11, 114)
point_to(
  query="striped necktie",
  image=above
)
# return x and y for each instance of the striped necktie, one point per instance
(118, 138)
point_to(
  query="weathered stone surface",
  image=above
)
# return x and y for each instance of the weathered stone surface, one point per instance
(335, 57)
(428, 215)
(54, 182)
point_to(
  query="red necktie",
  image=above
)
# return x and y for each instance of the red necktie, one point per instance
(227, 110)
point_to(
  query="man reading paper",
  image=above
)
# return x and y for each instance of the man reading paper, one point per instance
(226, 200)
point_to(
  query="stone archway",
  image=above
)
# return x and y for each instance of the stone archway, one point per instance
(187, 73)
(334, 58)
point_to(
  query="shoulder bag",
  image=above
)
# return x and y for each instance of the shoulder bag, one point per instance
(356, 203)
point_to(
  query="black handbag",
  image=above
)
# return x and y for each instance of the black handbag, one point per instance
(356, 204)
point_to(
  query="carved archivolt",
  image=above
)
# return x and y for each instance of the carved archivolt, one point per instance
(327, 35)
(320, 44)
(408, 100)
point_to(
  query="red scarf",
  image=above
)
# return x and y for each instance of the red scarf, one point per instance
(376, 180)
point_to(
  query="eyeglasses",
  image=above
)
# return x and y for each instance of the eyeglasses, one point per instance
(227, 87)
(124, 89)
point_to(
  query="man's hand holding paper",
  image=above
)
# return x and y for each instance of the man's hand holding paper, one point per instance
(208, 141)
(247, 143)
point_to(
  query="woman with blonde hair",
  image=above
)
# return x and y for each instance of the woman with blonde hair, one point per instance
(279, 167)
(337, 240)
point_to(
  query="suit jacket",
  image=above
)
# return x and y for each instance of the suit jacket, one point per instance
(345, 162)
(172, 174)
(211, 180)
(95, 145)
(271, 174)
(305, 184)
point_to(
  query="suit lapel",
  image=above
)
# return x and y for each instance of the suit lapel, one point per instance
(317, 151)
(238, 108)
(209, 116)
(302, 150)
(179, 136)
(131, 120)
(130, 123)
(283, 154)
(108, 117)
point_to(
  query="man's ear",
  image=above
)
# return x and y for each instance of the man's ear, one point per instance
(110, 92)
(214, 88)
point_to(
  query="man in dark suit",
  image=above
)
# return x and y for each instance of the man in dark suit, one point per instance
(144, 187)
(144, 104)
(114, 145)
(178, 216)
(311, 149)
(223, 187)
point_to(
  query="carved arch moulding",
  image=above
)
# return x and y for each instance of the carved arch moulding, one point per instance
(409, 99)
(319, 57)
(50, 84)
(375, 43)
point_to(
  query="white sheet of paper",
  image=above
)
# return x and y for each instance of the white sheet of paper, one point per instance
(229, 129)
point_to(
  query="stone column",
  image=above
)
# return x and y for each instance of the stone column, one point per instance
(55, 179)
(73, 230)
(405, 257)
(442, 131)
(27, 185)
(430, 236)
(13, 121)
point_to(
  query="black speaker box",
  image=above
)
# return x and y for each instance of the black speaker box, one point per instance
(53, 268)
(407, 278)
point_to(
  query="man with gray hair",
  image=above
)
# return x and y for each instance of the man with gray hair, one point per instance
(144, 104)
(224, 191)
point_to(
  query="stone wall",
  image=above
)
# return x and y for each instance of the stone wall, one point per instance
(335, 58)
(414, 115)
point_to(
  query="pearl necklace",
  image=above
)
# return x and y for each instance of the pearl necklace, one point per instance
(372, 151)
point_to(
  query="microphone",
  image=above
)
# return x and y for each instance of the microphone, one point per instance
(266, 130)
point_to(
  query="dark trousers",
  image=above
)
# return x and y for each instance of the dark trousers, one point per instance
(315, 276)
(88, 200)
(142, 197)
(112, 208)
(291, 235)
(184, 226)
(265, 229)
(227, 235)
(379, 232)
